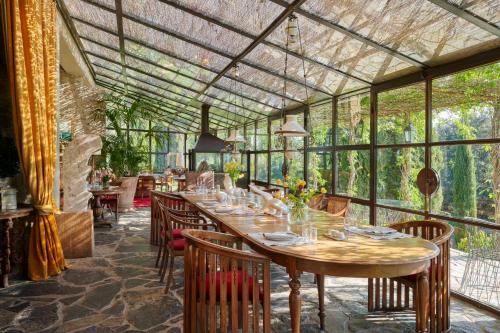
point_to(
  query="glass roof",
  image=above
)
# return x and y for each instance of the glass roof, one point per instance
(180, 53)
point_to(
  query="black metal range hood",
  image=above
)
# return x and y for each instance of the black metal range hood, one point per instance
(207, 141)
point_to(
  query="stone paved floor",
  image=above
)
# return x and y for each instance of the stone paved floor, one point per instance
(118, 291)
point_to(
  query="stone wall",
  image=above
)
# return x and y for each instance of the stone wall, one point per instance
(77, 103)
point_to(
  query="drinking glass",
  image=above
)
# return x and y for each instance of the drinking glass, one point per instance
(313, 234)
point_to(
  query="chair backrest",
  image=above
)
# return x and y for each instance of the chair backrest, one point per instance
(170, 200)
(147, 182)
(223, 285)
(206, 178)
(338, 206)
(435, 231)
(317, 202)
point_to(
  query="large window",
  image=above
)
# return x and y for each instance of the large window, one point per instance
(159, 151)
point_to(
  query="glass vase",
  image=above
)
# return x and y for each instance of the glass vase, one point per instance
(298, 213)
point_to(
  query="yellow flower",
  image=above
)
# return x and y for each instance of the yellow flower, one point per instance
(278, 182)
(285, 184)
(287, 177)
(323, 190)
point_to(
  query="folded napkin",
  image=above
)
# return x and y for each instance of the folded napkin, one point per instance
(269, 240)
(377, 233)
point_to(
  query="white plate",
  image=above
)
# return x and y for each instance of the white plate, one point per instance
(210, 203)
(370, 230)
(279, 236)
(224, 209)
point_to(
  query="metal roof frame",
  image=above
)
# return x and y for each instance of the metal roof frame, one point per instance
(252, 112)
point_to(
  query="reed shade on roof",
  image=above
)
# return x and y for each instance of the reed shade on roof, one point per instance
(348, 45)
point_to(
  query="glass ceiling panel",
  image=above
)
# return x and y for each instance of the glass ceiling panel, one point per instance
(251, 92)
(169, 18)
(333, 48)
(185, 50)
(248, 15)
(98, 61)
(156, 72)
(488, 10)
(317, 76)
(172, 94)
(92, 14)
(111, 82)
(108, 73)
(181, 93)
(215, 92)
(418, 29)
(225, 107)
(97, 35)
(168, 62)
(101, 51)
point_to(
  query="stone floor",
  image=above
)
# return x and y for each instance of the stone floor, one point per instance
(118, 291)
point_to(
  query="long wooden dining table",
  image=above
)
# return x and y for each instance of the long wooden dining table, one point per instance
(358, 256)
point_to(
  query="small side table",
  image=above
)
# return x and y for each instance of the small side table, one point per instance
(96, 203)
(7, 218)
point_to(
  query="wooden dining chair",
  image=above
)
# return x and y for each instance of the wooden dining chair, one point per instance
(145, 185)
(177, 204)
(173, 244)
(317, 202)
(226, 289)
(397, 294)
(338, 206)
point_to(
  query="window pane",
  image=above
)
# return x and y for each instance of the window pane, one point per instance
(353, 178)
(261, 137)
(139, 139)
(321, 125)
(213, 160)
(175, 160)
(296, 165)
(465, 105)
(176, 142)
(250, 137)
(261, 167)
(222, 134)
(159, 142)
(252, 166)
(353, 120)
(191, 140)
(275, 142)
(158, 162)
(401, 115)
(296, 142)
(390, 216)
(320, 170)
(474, 260)
(470, 181)
(397, 170)
(359, 212)
(276, 166)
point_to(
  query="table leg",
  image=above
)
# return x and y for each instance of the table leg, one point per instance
(320, 282)
(422, 309)
(295, 301)
(6, 253)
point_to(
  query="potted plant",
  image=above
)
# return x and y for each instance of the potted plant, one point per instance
(124, 155)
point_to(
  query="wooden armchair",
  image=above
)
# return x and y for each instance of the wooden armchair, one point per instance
(338, 206)
(171, 200)
(400, 293)
(145, 185)
(172, 242)
(317, 202)
(224, 285)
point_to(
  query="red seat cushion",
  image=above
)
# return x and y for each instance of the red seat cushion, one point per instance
(177, 244)
(176, 233)
(239, 277)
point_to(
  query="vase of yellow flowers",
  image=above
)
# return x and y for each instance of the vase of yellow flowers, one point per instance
(235, 171)
(297, 196)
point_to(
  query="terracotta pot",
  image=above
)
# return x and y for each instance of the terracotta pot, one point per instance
(128, 186)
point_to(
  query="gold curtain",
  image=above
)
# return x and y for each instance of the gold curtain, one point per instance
(30, 39)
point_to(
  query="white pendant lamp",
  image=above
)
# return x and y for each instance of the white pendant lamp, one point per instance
(292, 128)
(235, 137)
